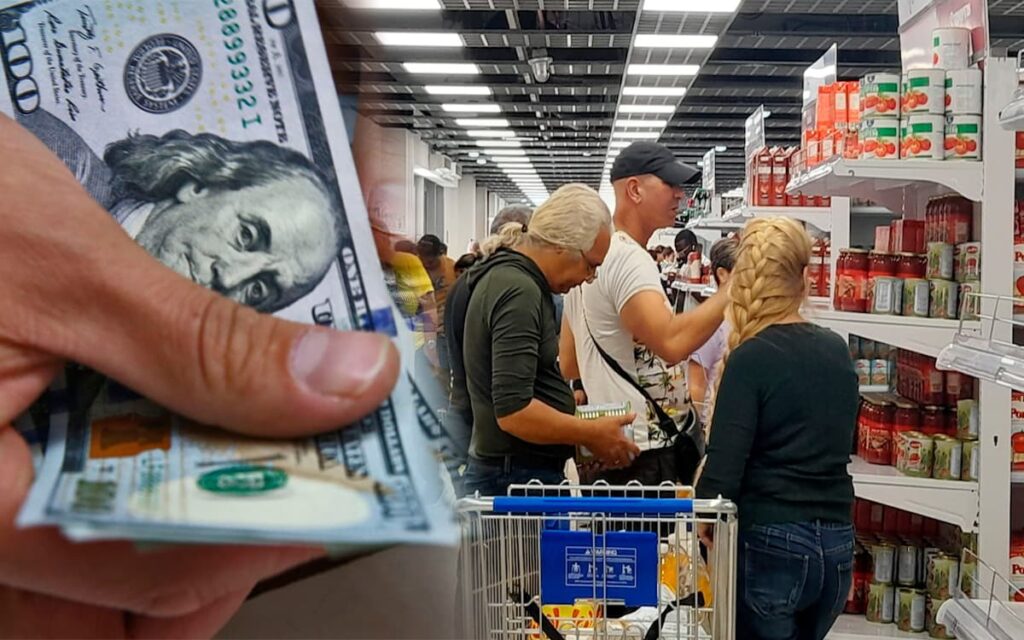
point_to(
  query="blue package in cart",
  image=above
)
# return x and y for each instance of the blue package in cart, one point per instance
(615, 566)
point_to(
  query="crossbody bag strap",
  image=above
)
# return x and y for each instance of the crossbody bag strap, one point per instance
(665, 422)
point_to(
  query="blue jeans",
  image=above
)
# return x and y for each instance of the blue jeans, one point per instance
(495, 481)
(793, 579)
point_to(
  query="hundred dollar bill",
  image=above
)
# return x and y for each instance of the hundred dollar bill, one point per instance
(211, 131)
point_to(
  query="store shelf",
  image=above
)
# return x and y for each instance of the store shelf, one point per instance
(875, 388)
(853, 627)
(820, 217)
(720, 224)
(897, 184)
(695, 287)
(923, 335)
(947, 500)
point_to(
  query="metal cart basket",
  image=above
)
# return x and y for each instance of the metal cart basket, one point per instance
(596, 561)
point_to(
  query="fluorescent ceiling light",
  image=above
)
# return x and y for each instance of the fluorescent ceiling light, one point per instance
(767, 114)
(482, 122)
(457, 90)
(647, 108)
(657, 41)
(418, 39)
(471, 108)
(382, 5)
(637, 135)
(514, 163)
(491, 133)
(619, 144)
(641, 123)
(667, 92)
(662, 70)
(481, 161)
(446, 68)
(586, 154)
(505, 152)
(474, 154)
(692, 6)
(494, 144)
(721, 148)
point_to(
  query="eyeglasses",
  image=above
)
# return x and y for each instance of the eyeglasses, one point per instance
(591, 267)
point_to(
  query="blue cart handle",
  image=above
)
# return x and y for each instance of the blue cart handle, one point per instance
(659, 506)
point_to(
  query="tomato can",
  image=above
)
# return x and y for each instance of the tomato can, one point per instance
(922, 137)
(963, 92)
(967, 262)
(944, 299)
(967, 420)
(931, 610)
(863, 368)
(970, 304)
(948, 458)
(879, 372)
(879, 96)
(971, 463)
(940, 261)
(887, 298)
(880, 602)
(969, 575)
(910, 607)
(916, 297)
(880, 138)
(883, 562)
(924, 92)
(951, 48)
(906, 564)
(963, 138)
(915, 457)
(943, 575)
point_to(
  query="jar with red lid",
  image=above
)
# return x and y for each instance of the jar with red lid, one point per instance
(933, 420)
(864, 419)
(951, 422)
(880, 264)
(851, 281)
(959, 386)
(879, 445)
(906, 417)
(910, 265)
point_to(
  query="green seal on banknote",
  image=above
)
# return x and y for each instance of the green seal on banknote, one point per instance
(243, 480)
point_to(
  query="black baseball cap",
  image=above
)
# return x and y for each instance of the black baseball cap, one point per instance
(430, 245)
(645, 157)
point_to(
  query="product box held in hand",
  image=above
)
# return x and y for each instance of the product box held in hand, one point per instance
(595, 412)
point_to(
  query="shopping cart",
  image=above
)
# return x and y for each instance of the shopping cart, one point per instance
(596, 562)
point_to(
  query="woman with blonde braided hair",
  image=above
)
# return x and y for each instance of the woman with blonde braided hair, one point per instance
(780, 441)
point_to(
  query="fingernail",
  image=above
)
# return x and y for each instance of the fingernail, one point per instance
(338, 363)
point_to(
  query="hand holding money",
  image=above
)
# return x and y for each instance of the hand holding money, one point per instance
(75, 286)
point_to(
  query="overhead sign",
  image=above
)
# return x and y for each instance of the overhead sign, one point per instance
(754, 136)
(920, 18)
(708, 173)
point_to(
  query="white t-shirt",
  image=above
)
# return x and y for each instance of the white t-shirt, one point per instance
(627, 270)
(708, 357)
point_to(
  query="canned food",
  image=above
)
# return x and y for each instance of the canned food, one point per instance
(963, 92)
(887, 298)
(967, 262)
(883, 558)
(868, 348)
(944, 299)
(971, 463)
(916, 297)
(879, 96)
(959, 386)
(880, 138)
(880, 602)
(963, 138)
(926, 562)
(922, 136)
(924, 92)
(968, 576)
(951, 48)
(967, 419)
(943, 575)
(931, 610)
(863, 368)
(854, 346)
(879, 373)
(906, 564)
(915, 456)
(910, 609)
(948, 458)
(940, 261)
(970, 303)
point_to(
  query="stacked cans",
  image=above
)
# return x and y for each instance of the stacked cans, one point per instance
(954, 260)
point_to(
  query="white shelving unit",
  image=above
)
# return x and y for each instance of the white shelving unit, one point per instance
(850, 627)
(906, 186)
(820, 217)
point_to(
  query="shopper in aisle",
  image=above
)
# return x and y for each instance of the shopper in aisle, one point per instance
(705, 363)
(524, 426)
(780, 438)
(441, 271)
(619, 332)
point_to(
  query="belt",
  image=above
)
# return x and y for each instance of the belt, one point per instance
(519, 461)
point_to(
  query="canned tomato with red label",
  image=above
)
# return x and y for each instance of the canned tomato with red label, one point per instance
(880, 96)
(880, 138)
(924, 92)
(963, 137)
(963, 92)
(921, 137)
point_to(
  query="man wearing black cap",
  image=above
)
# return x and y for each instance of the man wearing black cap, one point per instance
(625, 314)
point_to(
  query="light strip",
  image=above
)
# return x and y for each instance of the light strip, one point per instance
(659, 41)
(491, 133)
(471, 108)
(662, 70)
(418, 39)
(637, 135)
(482, 122)
(692, 6)
(647, 108)
(667, 92)
(446, 68)
(641, 123)
(505, 152)
(457, 90)
(494, 144)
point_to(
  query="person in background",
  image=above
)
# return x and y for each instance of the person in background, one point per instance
(703, 367)
(441, 271)
(464, 263)
(686, 242)
(524, 427)
(625, 315)
(449, 266)
(784, 417)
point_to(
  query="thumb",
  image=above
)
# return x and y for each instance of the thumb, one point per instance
(627, 419)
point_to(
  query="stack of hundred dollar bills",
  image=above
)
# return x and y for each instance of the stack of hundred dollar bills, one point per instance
(151, 104)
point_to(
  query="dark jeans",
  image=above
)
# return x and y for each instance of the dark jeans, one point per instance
(793, 579)
(495, 480)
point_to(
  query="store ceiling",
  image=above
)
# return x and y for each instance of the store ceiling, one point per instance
(571, 126)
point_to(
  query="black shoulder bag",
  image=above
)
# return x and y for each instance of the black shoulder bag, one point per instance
(687, 434)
